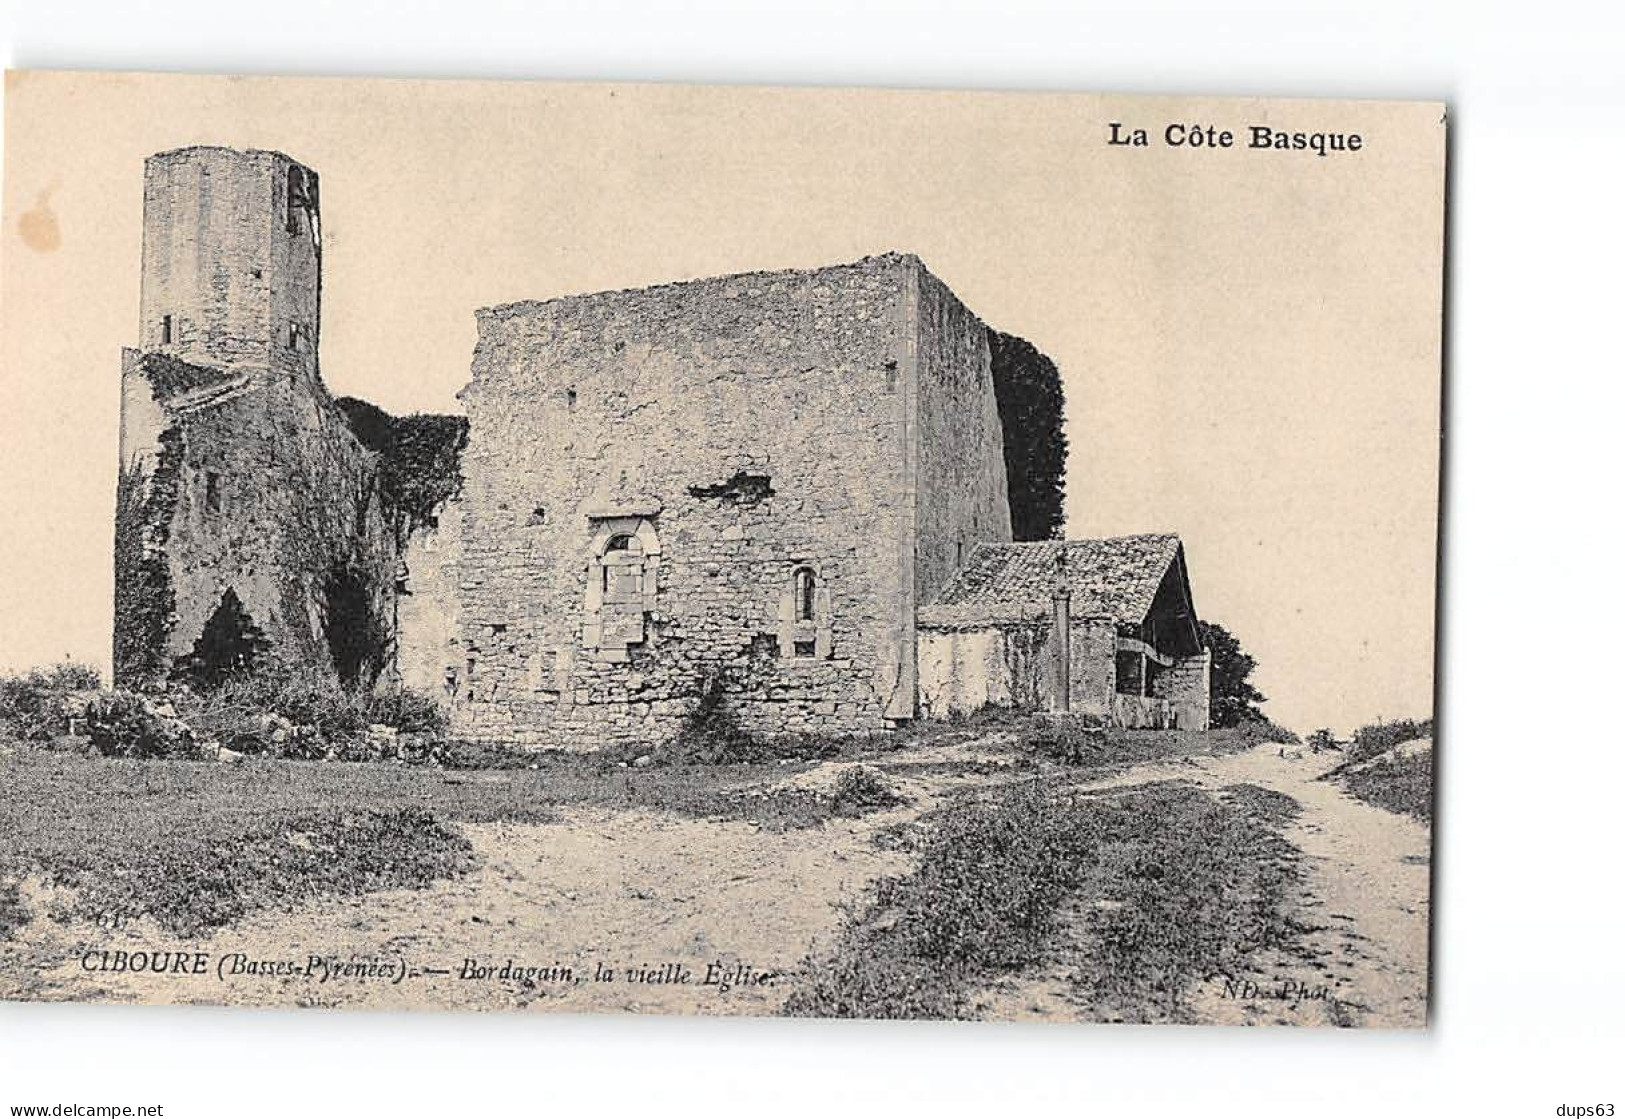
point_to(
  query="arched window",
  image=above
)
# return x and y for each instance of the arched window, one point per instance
(804, 614)
(623, 569)
(806, 593)
(623, 564)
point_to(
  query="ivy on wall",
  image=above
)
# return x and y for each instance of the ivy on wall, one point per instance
(171, 377)
(144, 598)
(1032, 408)
(419, 459)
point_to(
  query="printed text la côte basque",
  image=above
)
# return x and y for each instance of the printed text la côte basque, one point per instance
(1253, 137)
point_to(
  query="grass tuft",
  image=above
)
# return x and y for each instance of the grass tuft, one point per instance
(862, 789)
(192, 886)
(1399, 784)
(1166, 886)
(13, 913)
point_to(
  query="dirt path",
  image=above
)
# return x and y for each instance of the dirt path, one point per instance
(689, 915)
(1364, 895)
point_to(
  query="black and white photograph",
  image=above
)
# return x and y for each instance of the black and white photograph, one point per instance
(564, 585)
(739, 622)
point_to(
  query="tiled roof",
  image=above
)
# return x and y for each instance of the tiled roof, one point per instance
(1115, 578)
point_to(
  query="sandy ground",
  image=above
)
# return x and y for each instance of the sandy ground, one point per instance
(1364, 895)
(707, 917)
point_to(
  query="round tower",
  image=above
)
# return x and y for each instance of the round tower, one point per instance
(231, 259)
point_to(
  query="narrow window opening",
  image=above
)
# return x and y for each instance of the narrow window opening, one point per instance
(167, 329)
(806, 594)
(211, 492)
(806, 648)
(296, 197)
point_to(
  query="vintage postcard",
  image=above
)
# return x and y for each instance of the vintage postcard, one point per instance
(694, 550)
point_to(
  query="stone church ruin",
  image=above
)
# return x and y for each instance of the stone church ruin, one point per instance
(828, 493)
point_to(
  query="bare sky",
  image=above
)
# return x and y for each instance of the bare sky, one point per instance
(1250, 339)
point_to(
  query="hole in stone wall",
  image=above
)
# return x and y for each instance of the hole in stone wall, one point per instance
(744, 488)
(229, 645)
(354, 636)
(806, 648)
(538, 516)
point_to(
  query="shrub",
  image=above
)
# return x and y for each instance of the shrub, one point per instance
(1399, 784)
(407, 711)
(861, 789)
(124, 725)
(1369, 741)
(71, 676)
(1323, 739)
(711, 734)
(1185, 887)
(1254, 732)
(304, 713)
(1075, 740)
(32, 705)
(311, 698)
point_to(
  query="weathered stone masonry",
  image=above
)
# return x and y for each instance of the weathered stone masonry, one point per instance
(725, 478)
(237, 472)
(795, 487)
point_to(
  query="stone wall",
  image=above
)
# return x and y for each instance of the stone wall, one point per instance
(1094, 666)
(230, 483)
(963, 496)
(429, 637)
(963, 671)
(1187, 686)
(1014, 665)
(716, 437)
(1136, 712)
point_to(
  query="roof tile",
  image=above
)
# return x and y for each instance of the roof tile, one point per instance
(1113, 578)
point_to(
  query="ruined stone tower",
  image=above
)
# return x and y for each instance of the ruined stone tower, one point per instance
(231, 260)
(251, 519)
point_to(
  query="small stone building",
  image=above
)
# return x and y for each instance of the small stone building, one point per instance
(791, 490)
(1097, 627)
